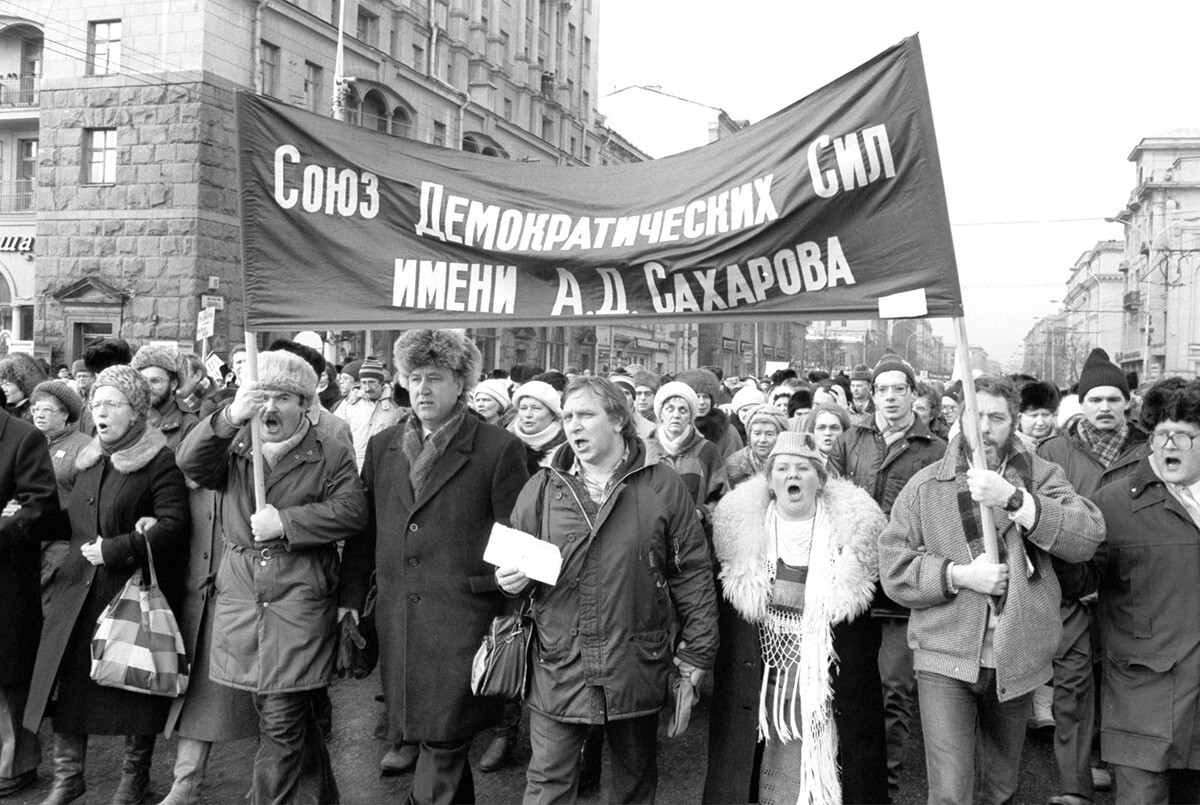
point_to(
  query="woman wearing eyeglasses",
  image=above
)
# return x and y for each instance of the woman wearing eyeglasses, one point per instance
(127, 492)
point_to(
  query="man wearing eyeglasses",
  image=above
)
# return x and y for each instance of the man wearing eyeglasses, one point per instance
(881, 453)
(1150, 611)
(1096, 447)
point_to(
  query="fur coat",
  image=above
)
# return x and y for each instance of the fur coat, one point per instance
(742, 545)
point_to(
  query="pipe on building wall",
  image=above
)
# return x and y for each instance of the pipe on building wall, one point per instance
(256, 45)
(431, 72)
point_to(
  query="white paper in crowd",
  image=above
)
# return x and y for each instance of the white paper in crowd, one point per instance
(903, 305)
(537, 559)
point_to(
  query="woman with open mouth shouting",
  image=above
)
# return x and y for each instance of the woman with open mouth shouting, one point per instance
(127, 493)
(796, 686)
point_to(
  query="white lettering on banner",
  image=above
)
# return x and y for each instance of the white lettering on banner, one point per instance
(453, 218)
(458, 287)
(802, 268)
(848, 154)
(327, 189)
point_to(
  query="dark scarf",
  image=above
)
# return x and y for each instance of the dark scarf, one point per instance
(422, 453)
(1106, 446)
(128, 440)
(1017, 470)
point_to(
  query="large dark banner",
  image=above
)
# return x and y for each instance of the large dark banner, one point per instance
(831, 208)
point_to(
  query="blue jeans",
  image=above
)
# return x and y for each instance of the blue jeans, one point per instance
(965, 724)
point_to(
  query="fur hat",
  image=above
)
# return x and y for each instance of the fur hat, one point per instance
(165, 358)
(791, 443)
(767, 414)
(102, 353)
(541, 391)
(1038, 395)
(643, 377)
(372, 369)
(861, 372)
(79, 366)
(498, 390)
(702, 381)
(64, 394)
(449, 349)
(894, 363)
(1097, 371)
(128, 381)
(352, 369)
(280, 370)
(676, 389)
(23, 371)
(747, 395)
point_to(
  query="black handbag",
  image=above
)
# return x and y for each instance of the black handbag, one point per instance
(501, 664)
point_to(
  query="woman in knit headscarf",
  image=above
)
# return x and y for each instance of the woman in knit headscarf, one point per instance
(492, 400)
(797, 703)
(676, 441)
(538, 422)
(128, 494)
(763, 425)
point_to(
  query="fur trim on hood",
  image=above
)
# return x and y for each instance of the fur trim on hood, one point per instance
(742, 545)
(131, 459)
(713, 425)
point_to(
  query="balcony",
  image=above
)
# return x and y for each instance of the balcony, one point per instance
(17, 196)
(18, 91)
(1132, 300)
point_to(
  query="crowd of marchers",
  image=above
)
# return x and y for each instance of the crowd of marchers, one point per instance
(808, 553)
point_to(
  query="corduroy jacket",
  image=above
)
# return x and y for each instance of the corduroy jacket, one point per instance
(946, 629)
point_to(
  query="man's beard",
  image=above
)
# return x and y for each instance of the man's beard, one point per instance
(996, 456)
(159, 399)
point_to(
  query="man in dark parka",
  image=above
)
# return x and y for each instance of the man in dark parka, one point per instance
(436, 483)
(27, 479)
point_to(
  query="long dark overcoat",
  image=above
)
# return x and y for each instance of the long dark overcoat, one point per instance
(110, 496)
(437, 596)
(27, 476)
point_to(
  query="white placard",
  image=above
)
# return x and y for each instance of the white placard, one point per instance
(903, 305)
(538, 559)
(206, 323)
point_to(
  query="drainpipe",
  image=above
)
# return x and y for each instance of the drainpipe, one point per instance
(431, 72)
(256, 45)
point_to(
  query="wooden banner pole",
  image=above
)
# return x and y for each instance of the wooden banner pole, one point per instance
(968, 423)
(251, 376)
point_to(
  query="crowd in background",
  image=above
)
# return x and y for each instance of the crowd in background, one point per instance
(805, 550)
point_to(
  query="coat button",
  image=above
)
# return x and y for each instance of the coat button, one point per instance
(412, 527)
(205, 556)
(266, 603)
(263, 563)
(414, 562)
(414, 598)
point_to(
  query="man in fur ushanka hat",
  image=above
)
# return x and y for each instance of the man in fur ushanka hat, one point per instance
(283, 556)
(438, 482)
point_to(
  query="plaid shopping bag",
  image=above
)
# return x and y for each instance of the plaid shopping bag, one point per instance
(137, 645)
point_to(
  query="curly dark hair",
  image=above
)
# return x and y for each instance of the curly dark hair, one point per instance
(1000, 386)
(1181, 405)
(1156, 397)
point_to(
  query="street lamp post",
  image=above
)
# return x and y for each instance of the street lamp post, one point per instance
(1151, 245)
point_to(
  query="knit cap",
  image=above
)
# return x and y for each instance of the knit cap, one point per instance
(128, 381)
(676, 389)
(66, 396)
(767, 414)
(792, 443)
(625, 380)
(372, 369)
(894, 363)
(861, 372)
(540, 391)
(498, 390)
(352, 369)
(1098, 371)
(747, 395)
(165, 358)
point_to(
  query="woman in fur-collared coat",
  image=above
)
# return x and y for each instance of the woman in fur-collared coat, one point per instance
(798, 565)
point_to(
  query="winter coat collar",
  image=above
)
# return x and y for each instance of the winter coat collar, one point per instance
(919, 429)
(947, 466)
(742, 545)
(1133, 450)
(564, 457)
(126, 461)
(713, 425)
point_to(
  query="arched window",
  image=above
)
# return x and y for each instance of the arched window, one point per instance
(469, 144)
(476, 143)
(374, 112)
(402, 122)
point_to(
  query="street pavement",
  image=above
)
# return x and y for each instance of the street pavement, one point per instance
(356, 755)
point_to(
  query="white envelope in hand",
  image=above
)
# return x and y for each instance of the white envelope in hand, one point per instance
(537, 559)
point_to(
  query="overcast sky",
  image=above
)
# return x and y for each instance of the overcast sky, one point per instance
(1037, 106)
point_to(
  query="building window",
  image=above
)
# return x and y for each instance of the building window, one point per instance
(508, 109)
(100, 155)
(571, 38)
(587, 154)
(367, 31)
(439, 134)
(586, 111)
(548, 130)
(269, 66)
(104, 47)
(418, 59)
(448, 74)
(27, 151)
(313, 91)
(573, 144)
